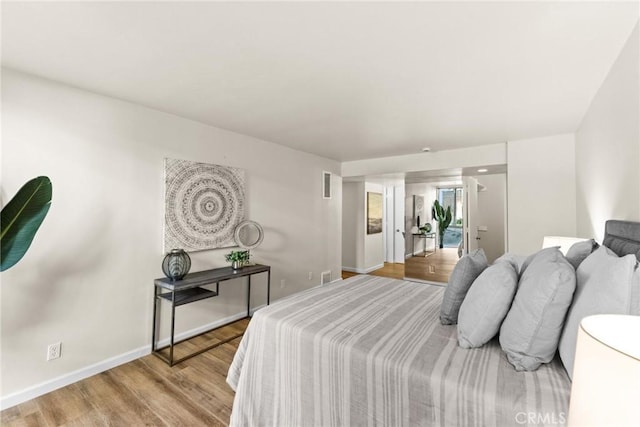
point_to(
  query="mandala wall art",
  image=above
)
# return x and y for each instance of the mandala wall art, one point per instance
(203, 205)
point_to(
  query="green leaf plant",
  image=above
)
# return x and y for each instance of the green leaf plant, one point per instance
(241, 256)
(21, 218)
(443, 217)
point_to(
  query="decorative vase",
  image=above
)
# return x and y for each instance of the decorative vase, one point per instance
(236, 265)
(176, 264)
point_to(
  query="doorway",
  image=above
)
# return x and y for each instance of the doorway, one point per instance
(478, 211)
(419, 258)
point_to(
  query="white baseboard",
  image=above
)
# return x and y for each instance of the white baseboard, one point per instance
(363, 270)
(70, 378)
(45, 387)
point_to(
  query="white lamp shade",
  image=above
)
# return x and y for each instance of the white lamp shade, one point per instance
(606, 373)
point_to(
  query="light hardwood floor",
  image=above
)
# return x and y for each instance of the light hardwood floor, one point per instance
(149, 392)
(143, 392)
(395, 271)
(435, 267)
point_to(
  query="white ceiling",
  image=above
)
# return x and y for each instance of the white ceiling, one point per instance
(342, 80)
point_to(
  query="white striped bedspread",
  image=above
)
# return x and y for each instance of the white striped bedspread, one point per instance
(370, 351)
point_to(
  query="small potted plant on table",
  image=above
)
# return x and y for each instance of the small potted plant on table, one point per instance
(237, 258)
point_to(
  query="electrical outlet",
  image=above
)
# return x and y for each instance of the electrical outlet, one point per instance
(311, 275)
(54, 351)
(283, 284)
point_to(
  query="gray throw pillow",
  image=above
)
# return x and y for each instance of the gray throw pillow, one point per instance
(464, 273)
(530, 333)
(549, 252)
(510, 258)
(605, 284)
(579, 251)
(486, 305)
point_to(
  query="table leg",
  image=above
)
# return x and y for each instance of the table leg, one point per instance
(413, 244)
(268, 286)
(155, 315)
(173, 326)
(248, 295)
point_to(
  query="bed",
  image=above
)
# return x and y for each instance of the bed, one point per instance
(372, 351)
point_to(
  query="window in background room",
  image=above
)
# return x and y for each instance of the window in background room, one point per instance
(452, 196)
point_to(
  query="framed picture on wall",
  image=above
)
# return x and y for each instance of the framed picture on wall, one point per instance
(374, 213)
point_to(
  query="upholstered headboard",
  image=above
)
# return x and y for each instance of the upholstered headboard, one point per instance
(622, 237)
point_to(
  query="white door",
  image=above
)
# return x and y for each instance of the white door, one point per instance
(470, 222)
(389, 224)
(398, 221)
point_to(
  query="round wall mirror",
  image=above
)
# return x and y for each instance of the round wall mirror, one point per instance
(249, 234)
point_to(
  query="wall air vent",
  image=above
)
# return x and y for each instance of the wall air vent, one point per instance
(326, 185)
(325, 277)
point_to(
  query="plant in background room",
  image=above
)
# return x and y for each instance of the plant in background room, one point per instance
(443, 217)
(21, 218)
(237, 258)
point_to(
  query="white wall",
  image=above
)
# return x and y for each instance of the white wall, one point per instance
(541, 191)
(492, 209)
(353, 212)
(362, 252)
(87, 280)
(608, 148)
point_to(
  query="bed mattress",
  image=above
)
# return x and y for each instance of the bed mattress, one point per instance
(371, 351)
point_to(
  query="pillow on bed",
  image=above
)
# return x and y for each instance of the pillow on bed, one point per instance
(530, 333)
(514, 260)
(464, 273)
(545, 253)
(486, 304)
(606, 284)
(578, 252)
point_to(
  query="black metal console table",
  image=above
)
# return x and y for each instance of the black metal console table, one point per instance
(190, 290)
